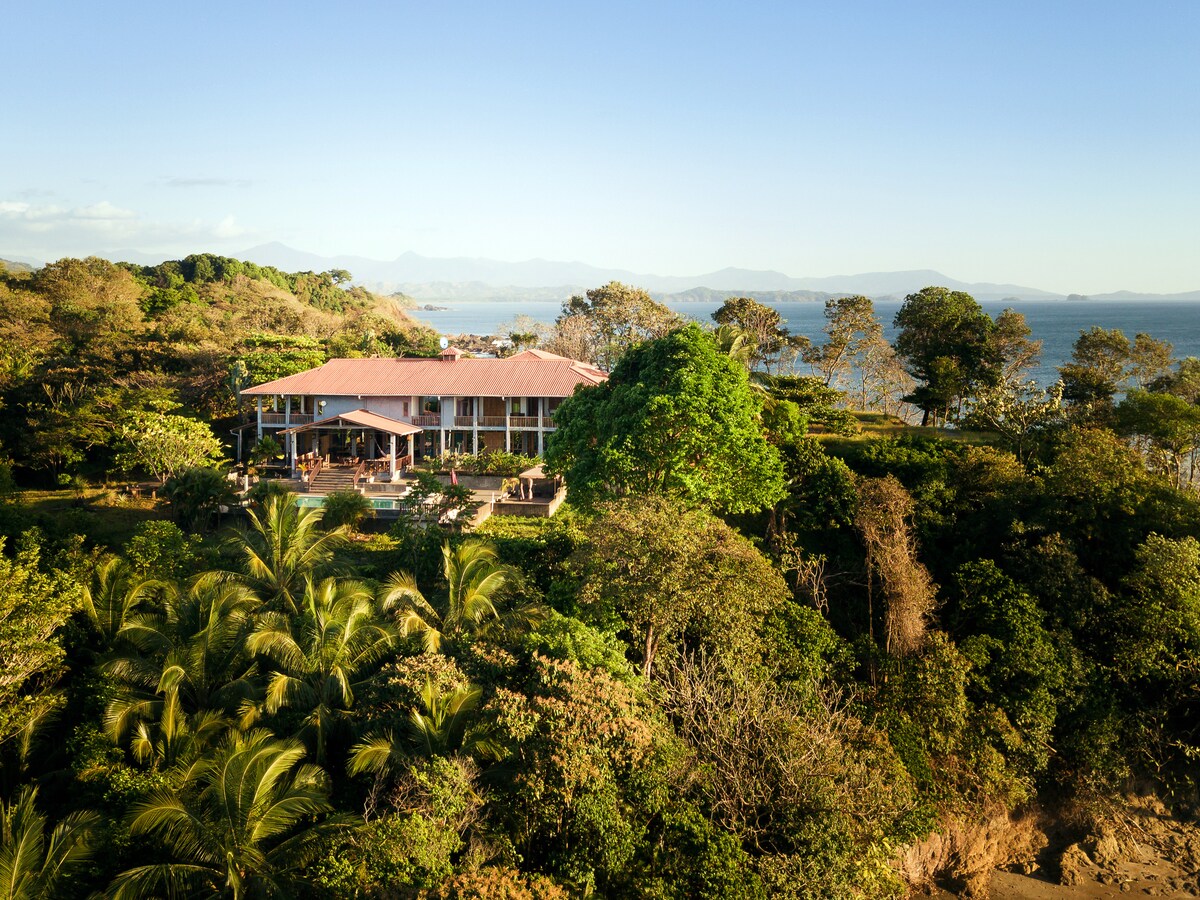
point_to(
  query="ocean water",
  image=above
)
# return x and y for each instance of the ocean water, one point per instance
(1056, 323)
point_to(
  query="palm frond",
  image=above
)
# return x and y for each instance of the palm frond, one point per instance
(400, 592)
(72, 841)
(165, 879)
(22, 845)
(374, 753)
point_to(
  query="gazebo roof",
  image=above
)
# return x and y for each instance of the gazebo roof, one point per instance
(359, 418)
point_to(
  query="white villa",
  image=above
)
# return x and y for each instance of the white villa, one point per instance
(393, 411)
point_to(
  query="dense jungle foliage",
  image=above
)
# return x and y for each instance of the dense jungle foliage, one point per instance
(779, 641)
(89, 348)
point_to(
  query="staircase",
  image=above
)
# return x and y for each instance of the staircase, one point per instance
(332, 478)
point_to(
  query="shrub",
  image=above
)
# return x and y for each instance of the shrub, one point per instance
(346, 508)
(196, 495)
(160, 549)
(265, 490)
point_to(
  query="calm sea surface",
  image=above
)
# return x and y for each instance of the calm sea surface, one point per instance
(1056, 322)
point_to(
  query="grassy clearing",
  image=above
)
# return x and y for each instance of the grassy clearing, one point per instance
(874, 425)
(104, 516)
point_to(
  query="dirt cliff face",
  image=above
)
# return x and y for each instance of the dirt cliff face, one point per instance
(1135, 848)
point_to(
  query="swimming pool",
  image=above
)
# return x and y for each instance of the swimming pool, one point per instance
(317, 501)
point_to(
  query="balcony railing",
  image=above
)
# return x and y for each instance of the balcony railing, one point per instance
(278, 418)
(430, 421)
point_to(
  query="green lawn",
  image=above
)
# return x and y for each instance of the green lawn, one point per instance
(878, 425)
(103, 515)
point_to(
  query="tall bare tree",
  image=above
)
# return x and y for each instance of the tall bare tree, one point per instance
(882, 521)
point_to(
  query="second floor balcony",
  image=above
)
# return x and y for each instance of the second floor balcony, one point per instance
(273, 419)
(278, 418)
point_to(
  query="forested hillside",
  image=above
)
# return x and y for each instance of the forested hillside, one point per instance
(86, 346)
(780, 643)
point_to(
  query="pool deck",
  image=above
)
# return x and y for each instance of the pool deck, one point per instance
(484, 502)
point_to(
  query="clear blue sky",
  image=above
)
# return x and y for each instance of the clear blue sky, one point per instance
(1052, 144)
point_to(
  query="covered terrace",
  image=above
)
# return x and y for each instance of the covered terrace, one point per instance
(358, 438)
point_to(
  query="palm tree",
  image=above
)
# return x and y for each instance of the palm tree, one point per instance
(176, 738)
(444, 724)
(240, 825)
(474, 576)
(323, 656)
(736, 343)
(191, 652)
(283, 547)
(114, 594)
(31, 865)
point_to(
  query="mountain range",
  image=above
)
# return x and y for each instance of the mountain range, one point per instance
(463, 278)
(432, 280)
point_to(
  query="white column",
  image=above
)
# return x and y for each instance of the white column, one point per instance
(258, 412)
(392, 453)
(507, 426)
(541, 411)
(442, 425)
(295, 451)
(287, 411)
(475, 423)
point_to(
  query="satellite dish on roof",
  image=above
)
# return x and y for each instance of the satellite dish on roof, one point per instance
(445, 343)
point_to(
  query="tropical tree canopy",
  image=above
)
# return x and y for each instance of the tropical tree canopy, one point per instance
(474, 577)
(602, 326)
(283, 547)
(945, 341)
(674, 574)
(766, 336)
(446, 722)
(240, 825)
(322, 655)
(163, 443)
(33, 863)
(33, 608)
(190, 650)
(676, 417)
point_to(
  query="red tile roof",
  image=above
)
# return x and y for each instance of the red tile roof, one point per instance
(531, 373)
(364, 419)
